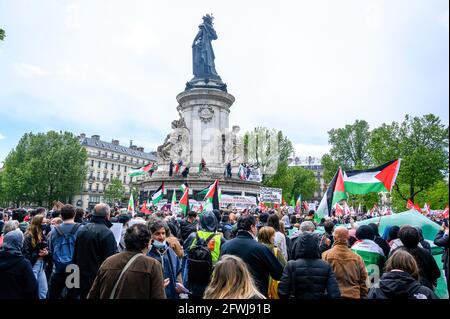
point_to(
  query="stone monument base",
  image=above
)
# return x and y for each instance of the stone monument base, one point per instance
(196, 183)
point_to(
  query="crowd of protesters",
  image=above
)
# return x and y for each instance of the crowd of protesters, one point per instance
(66, 253)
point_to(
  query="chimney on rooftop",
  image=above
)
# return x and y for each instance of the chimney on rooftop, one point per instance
(115, 142)
(96, 137)
(140, 149)
(82, 135)
(131, 143)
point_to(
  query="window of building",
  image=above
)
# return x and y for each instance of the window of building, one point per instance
(98, 186)
(125, 169)
(92, 163)
(98, 175)
(106, 165)
(112, 166)
(118, 167)
(124, 179)
(118, 157)
(106, 154)
(111, 177)
(99, 163)
(99, 153)
(90, 187)
(125, 159)
(104, 175)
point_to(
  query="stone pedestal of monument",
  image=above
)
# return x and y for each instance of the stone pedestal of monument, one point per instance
(206, 112)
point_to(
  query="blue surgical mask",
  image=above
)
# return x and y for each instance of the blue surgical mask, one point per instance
(159, 244)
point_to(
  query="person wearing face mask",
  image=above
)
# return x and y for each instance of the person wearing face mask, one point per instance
(260, 260)
(170, 263)
(130, 274)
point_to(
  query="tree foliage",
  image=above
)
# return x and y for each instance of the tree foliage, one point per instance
(267, 148)
(293, 181)
(349, 149)
(421, 143)
(2, 34)
(44, 167)
(115, 191)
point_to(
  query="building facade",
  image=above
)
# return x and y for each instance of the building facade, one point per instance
(312, 164)
(106, 161)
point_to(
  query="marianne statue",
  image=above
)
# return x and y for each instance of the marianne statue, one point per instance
(202, 51)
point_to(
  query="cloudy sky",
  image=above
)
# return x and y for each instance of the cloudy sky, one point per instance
(114, 68)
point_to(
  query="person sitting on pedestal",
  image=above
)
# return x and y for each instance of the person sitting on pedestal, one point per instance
(228, 170)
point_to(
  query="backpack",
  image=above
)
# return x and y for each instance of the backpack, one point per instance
(63, 248)
(200, 265)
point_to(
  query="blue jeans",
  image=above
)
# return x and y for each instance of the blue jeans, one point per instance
(39, 273)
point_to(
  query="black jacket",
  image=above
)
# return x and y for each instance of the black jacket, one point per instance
(95, 242)
(383, 245)
(260, 260)
(443, 241)
(32, 253)
(17, 280)
(400, 285)
(308, 276)
(187, 228)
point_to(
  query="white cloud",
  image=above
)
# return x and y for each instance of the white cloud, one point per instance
(29, 71)
(115, 69)
(2, 137)
(313, 150)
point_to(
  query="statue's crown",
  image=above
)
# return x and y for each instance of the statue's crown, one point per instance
(208, 17)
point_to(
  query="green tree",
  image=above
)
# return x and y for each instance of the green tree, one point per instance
(349, 149)
(305, 183)
(115, 191)
(293, 181)
(2, 34)
(134, 189)
(44, 167)
(422, 144)
(268, 148)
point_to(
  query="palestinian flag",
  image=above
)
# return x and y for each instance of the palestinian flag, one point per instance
(144, 208)
(445, 212)
(184, 201)
(411, 205)
(338, 210)
(183, 187)
(131, 204)
(369, 251)
(158, 194)
(334, 194)
(212, 194)
(174, 200)
(143, 170)
(377, 179)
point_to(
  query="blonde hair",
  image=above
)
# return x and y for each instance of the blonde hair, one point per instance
(35, 230)
(231, 280)
(265, 235)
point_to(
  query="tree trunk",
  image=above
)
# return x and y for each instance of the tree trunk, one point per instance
(411, 192)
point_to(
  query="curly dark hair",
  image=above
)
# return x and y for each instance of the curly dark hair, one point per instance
(137, 237)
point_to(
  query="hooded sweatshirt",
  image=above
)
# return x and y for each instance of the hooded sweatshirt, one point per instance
(400, 285)
(17, 280)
